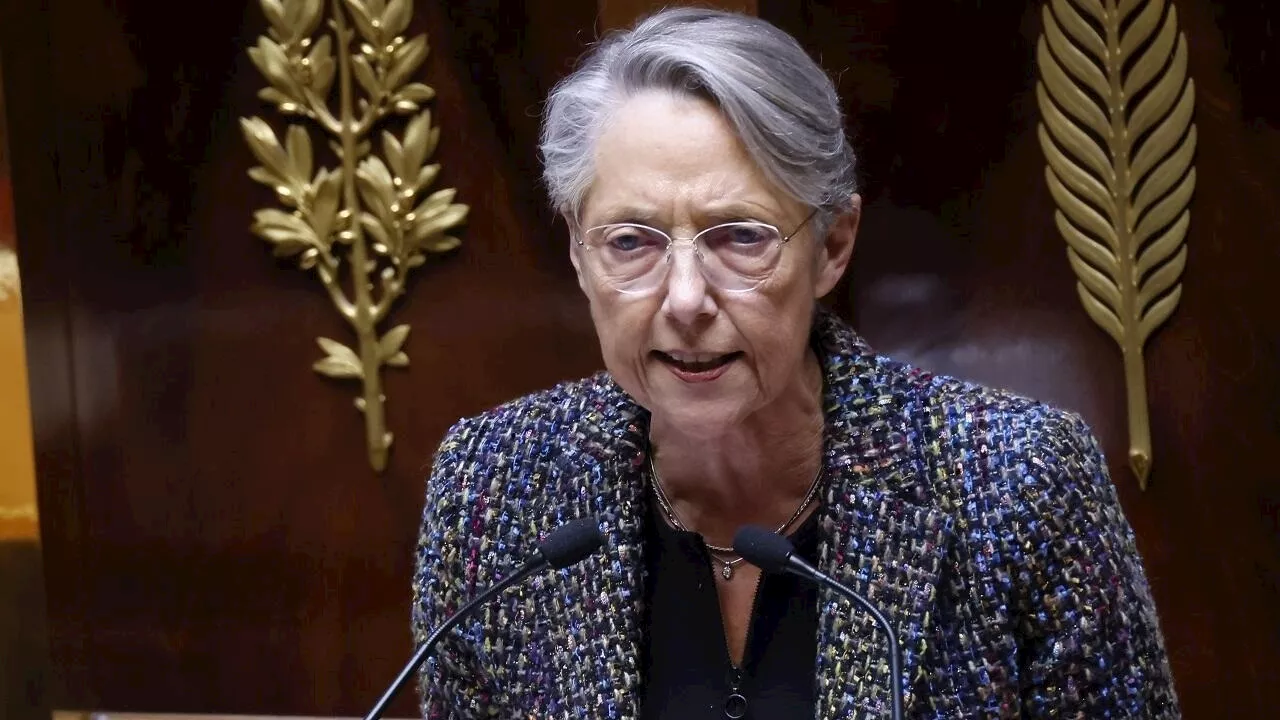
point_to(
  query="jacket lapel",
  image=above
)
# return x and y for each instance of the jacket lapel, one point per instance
(890, 552)
(883, 536)
(609, 453)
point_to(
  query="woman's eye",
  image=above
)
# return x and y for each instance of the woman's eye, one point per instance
(738, 235)
(625, 241)
(747, 235)
(629, 239)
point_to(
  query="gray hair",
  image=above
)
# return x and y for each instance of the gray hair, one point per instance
(779, 102)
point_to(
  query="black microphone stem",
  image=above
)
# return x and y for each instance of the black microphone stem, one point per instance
(772, 552)
(895, 660)
(521, 573)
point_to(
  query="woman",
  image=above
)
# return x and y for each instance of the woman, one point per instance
(701, 163)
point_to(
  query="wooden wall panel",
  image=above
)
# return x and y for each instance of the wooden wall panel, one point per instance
(615, 14)
(24, 658)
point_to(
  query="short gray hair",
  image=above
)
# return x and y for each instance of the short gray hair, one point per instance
(780, 103)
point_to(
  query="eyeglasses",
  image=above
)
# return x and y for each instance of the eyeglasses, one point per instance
(734, 257)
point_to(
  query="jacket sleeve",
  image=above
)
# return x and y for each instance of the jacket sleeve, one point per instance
(451, 683)
(1092, 645)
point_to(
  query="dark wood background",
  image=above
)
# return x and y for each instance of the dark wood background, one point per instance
(213, 538)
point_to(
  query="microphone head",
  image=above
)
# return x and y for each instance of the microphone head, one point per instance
(572, 542)
(766, 550)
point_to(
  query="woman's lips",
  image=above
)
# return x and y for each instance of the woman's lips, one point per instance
(697, 367)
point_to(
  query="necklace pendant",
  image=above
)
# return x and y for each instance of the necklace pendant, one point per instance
(727, 572)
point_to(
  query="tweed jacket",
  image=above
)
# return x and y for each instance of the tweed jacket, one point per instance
(984, 525)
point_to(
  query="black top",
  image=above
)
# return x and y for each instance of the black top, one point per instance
(687, 671)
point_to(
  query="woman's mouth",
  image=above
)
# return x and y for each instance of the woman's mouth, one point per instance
(697, 367)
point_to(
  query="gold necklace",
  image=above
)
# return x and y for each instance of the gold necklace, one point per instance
(727, 565)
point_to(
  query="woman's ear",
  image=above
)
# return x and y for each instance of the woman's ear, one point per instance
(575, 250)
(837, 248)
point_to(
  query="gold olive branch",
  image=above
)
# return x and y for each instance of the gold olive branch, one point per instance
(366, 215)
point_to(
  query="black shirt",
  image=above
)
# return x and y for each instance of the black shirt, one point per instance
(687, 670)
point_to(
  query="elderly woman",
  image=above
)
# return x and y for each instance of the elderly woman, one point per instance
(701, 164)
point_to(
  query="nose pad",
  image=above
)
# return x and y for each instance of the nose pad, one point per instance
(688, 297)
(687, 269)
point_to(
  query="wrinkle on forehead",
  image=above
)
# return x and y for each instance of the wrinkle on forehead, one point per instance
(673, 159)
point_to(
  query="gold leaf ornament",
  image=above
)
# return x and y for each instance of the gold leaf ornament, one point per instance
(340, 361)
(10, 285)
(390, 345)
(361, 226)
(1118, 139)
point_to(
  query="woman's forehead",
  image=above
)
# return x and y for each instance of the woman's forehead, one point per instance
(665, 154)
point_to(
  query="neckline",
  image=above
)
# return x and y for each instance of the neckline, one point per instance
(799, 536)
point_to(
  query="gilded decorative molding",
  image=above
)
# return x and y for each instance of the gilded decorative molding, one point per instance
(1118, 137)
(22, 512)
(10, 285)
(371, 216)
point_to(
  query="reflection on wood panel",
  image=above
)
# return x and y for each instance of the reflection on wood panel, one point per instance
(17, 470)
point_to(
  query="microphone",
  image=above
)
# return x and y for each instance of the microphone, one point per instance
(567, 545)
(773, 553)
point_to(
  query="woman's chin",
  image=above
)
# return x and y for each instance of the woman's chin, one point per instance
(699, 422)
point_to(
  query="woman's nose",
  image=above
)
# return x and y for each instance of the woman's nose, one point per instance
(687, 290)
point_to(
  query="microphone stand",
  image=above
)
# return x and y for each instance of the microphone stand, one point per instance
(799, 567)
(520, 573)
(774, 553)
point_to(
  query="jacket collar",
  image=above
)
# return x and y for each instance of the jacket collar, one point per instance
(882, 533)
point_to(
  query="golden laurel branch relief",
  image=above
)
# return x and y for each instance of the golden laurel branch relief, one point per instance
(1119, 141)
(365, 224)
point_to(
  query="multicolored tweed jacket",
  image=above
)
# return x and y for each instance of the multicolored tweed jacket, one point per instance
(983, 524)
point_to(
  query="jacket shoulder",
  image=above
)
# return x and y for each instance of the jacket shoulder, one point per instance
(486, 497)
(963, 423)
(1041, 529)
(520, 423)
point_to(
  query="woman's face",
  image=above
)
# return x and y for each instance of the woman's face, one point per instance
(700, 359)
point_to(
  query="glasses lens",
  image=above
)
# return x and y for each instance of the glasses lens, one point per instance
(628, 257)
(740, 256)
